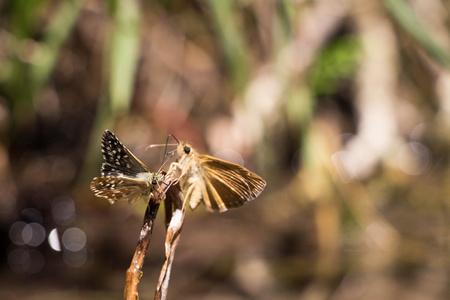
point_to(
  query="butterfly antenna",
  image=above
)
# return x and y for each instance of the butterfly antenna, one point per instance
(171, 135)
(168, 158)
(167, 154)
(167, 143)
(159, 145)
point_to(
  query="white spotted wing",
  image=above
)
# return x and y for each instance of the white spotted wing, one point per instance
(124, 177)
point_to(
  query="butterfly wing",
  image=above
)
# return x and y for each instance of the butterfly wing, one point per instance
(119, 161)
(224, 185)
(120, 188)
(124, 177)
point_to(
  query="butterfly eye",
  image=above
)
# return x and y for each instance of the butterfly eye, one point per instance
(187, 149)
(154, 182)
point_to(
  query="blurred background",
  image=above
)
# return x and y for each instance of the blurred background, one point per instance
(343, 107)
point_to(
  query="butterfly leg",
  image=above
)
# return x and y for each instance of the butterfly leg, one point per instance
(178, 171)
(175, 170)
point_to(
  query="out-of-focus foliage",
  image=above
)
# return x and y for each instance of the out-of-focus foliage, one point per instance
(342, 106)
(335, 64)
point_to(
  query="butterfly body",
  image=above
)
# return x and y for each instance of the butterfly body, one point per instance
(124, 177)
(219, 184)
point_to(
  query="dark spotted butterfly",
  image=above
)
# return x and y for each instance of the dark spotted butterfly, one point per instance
(124, 177)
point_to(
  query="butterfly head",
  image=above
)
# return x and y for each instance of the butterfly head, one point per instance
(184, 149)
(156, 179)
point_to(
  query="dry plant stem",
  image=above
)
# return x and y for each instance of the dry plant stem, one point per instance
(174, 222)
(134, 272)
(175, 211)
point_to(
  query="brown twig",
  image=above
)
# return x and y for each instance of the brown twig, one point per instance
(134, 272)
(174, 223)
(175, 211)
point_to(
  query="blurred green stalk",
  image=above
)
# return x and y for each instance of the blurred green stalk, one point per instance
(32, 62)
(225, 17)
(57, 32)
(407, 19)
(124, 55)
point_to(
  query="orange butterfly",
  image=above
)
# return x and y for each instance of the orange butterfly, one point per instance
(219, 184)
